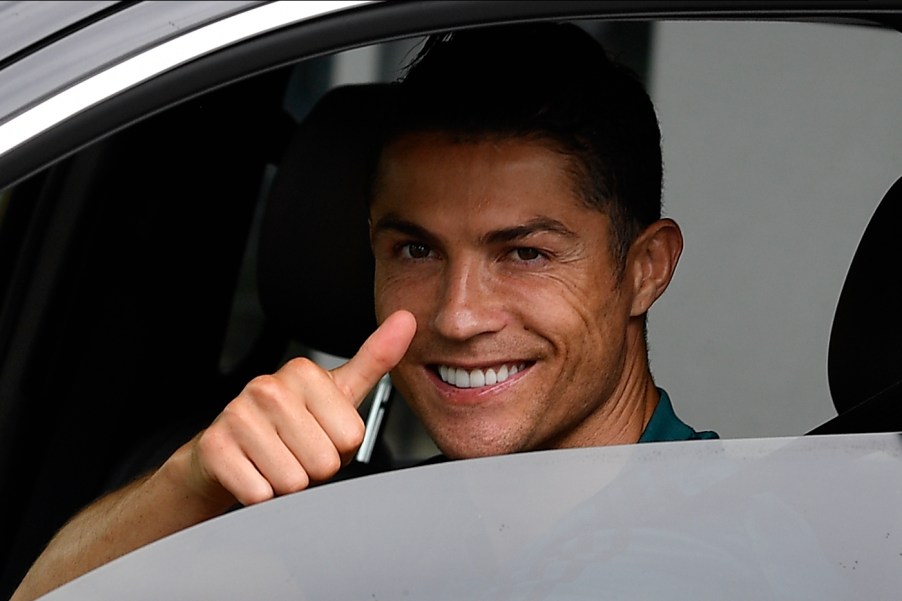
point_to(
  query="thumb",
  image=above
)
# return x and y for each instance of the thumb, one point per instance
(378, 355)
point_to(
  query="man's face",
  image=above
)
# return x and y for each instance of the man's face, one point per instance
(524, 330)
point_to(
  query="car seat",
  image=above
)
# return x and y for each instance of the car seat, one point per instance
(315, 266)
(864, 362)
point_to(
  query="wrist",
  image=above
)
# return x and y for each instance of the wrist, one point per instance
(194, 491)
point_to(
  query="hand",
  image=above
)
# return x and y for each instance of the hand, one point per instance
(295, 427)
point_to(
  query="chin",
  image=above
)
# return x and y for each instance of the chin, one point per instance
(470, 443)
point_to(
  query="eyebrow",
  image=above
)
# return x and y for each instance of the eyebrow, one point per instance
(537, 225)
(393, 223)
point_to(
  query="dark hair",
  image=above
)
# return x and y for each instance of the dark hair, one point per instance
(551, 82)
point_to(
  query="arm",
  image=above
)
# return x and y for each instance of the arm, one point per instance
(145, 510)
(282, 433)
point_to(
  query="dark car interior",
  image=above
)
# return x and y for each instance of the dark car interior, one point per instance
(142, 291)
(864, 357)
(191, 252)
(199, 248)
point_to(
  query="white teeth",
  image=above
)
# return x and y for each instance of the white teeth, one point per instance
(477, 378)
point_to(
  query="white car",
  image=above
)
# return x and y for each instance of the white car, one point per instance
(146, 244)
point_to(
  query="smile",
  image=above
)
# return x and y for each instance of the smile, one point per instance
(478, 378)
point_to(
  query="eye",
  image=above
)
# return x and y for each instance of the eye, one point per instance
(527, 254)
(415, 250)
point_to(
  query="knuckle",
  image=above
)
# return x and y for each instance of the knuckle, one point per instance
(324, 464)
(351, 435)
(303, 366)
(252, 495)
(264, 390)
(235, 418)
(211, 441)
(295, 481)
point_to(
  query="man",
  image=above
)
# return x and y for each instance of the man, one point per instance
(516, 226)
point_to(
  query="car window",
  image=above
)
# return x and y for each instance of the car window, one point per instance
(775, 158)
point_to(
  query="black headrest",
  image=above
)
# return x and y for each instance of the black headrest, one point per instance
(865, 356)
(315, 266)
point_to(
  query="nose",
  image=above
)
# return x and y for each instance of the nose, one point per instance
(470, 303)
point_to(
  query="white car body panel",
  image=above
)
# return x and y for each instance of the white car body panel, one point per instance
(777, 518)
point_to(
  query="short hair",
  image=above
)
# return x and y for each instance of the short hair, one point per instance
(552, 82)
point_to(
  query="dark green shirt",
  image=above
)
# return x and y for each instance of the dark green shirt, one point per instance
(664, 425)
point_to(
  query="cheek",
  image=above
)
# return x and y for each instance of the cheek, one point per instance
(587, 327)
(393, 291)
(582, 307)
(386, 297)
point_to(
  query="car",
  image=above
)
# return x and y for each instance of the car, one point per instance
(154, 258)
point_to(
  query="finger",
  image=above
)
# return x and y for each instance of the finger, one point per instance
(379, 354)
(227, 465)
(312, 450)
(273, 424)
(261, 438)
(279, 466)
(242, 479)
(258, 450)
(324, 400)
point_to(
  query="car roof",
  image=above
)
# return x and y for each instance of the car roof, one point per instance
(73, 43)
(24, 25)
(45, 46)
(50, 46)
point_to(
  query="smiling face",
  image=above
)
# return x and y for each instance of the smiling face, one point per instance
(526, 336)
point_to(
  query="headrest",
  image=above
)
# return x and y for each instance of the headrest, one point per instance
(315, 266)
(865, 355)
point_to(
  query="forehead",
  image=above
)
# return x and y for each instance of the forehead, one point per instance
(441, 172)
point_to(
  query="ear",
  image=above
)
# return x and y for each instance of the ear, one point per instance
(651, 262)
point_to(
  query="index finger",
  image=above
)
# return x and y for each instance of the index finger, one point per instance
(378, 355)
